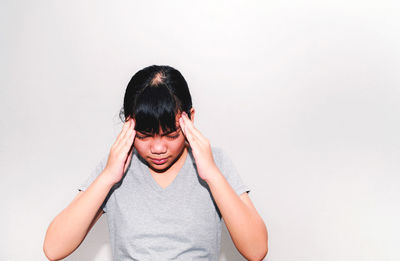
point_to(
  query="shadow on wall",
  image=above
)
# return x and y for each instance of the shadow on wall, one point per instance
(96, 245)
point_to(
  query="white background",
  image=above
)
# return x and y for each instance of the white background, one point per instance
(303, 95)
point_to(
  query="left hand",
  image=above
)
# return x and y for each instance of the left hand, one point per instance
(201, 148)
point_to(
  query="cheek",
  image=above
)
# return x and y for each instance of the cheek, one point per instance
(178, 144)
(139, 145)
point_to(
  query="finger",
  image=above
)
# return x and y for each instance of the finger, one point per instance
(128, 139)
(123, 131)
(182, 124)
(185, 130)
(189, 136)
(123, 138)
(128, 131)
(195, 132)
(131, 127)
(131, 137)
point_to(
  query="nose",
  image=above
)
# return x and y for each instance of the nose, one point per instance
(158, 146)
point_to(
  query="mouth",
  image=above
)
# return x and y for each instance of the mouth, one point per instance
(159, 161)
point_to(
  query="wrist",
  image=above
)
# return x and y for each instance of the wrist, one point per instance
(214, 176)
(107, 178)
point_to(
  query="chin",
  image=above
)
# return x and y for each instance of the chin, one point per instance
(159, 168)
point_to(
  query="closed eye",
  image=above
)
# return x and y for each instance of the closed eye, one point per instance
(173, 136)
(142, 136)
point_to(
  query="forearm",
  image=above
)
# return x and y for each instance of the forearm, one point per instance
(69, 228)
(246, 227)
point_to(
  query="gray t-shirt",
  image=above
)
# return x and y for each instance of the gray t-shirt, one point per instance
(179, 222)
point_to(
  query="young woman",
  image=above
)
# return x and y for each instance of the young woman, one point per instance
(163, 187)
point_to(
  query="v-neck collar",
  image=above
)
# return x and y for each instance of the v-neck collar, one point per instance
(153, 183)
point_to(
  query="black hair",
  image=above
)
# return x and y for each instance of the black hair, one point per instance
(154, 96)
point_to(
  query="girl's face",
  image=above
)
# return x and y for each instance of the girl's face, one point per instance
(162, 150)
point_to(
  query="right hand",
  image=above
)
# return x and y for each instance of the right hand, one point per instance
(121, 152)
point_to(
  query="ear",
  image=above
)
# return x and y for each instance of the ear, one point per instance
(192, 114)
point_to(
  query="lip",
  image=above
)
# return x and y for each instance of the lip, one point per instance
(159, 161)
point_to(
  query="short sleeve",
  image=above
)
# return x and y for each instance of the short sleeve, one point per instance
(228, 169)
(93, 175)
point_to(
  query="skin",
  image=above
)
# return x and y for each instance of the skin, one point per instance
(170, 146)
(246, 227)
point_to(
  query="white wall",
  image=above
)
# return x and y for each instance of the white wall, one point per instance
(304, 96)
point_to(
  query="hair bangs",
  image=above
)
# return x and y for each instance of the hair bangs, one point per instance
(155, 109)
